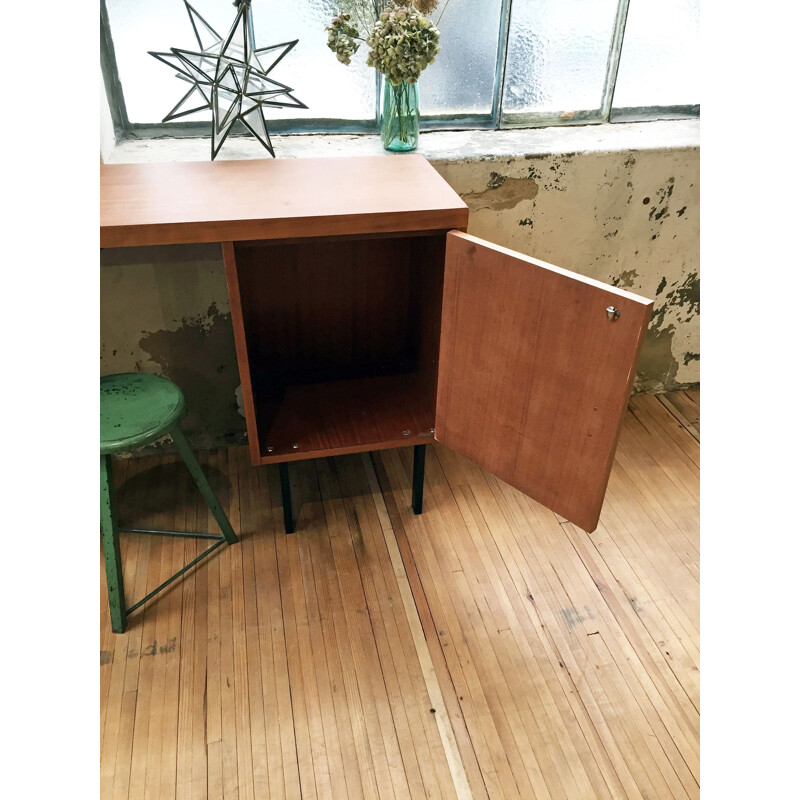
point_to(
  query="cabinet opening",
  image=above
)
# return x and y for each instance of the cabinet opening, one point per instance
(342, 340)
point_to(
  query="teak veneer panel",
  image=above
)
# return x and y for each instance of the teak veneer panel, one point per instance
(534, 379)
(218, 201)
(351, 416)
(325, 309)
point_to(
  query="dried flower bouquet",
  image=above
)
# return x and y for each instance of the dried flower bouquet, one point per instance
(401, 38)
(402, 42)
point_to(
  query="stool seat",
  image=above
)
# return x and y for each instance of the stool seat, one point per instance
(136, 410)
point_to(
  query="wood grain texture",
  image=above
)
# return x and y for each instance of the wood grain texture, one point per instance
(591, 643)
(240, 341)
(179, 203)
(534, 379)
(337, 341)
(325, 309)
(685, 407)
(308, 665)
(346, 417)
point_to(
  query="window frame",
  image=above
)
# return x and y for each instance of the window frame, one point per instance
(124, 129)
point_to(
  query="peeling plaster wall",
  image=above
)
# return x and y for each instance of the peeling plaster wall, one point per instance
(630, 218)
(165, 310)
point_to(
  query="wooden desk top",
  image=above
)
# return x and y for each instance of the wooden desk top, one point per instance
(217, 201)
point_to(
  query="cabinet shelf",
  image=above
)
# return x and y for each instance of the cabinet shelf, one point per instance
(335, 417)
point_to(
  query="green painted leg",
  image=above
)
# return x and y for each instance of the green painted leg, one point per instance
(203, 485)
(108, 526)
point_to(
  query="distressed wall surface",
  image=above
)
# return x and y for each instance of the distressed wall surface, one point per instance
(628, 217)
(165, 310)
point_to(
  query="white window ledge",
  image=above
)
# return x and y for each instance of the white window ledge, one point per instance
(437, 146)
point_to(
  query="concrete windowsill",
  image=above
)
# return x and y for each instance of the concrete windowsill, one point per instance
(436, 146)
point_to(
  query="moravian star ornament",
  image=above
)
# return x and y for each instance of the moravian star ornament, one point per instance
(230, 76)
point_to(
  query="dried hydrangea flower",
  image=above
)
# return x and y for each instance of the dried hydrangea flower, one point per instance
(425, 6)
(342, 38)
(403, 42)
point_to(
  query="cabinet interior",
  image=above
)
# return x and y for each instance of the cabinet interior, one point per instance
(342, 340)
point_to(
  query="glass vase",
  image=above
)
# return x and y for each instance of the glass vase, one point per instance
(400, 116)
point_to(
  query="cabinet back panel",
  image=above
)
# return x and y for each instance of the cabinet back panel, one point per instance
(325, 310)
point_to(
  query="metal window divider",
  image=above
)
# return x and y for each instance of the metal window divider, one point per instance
(614, 54)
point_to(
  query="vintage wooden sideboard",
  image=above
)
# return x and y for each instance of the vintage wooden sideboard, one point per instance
(365, 317)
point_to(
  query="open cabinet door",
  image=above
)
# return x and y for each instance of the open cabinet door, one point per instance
(535, 373)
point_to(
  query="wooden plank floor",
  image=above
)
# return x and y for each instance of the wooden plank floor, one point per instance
(485, 649)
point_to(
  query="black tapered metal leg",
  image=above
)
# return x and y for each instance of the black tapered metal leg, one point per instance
(286, 497)
(418, 478)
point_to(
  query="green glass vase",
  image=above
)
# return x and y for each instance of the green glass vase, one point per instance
(400, 116)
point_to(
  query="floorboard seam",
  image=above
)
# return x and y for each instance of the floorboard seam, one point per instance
(432, 685)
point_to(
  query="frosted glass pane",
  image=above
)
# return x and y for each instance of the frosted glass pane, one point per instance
(329, 89)
(660, 60)
(557, 56)
(461, 80)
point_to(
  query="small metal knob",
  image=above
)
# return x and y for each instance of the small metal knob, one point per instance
(612, 312)
(270, 449)
(295, 446)
(406, 433)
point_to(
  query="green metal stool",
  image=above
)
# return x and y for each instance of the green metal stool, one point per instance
(134, 411)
